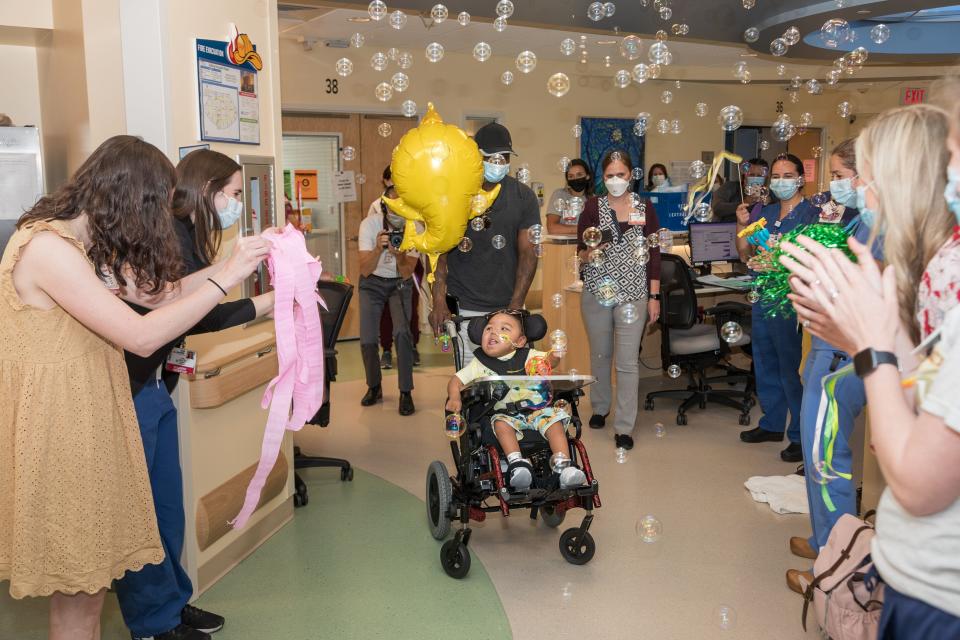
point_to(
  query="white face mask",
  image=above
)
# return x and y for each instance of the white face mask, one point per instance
(616, 186)
(230, 213)
(659, 179)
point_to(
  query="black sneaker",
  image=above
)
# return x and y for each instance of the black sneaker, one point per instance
(406, 404)
(386, 360)
(761, 435)
(201, 620)
(623, 440)
(372, 396)
(597, 421)
(182, 632)
(793, 453)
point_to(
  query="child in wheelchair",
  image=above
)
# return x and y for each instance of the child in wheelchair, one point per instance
(525, 408)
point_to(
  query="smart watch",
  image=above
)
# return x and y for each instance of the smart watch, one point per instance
(866, 362)
(654, 296)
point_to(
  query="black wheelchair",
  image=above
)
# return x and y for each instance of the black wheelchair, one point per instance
(480, 465)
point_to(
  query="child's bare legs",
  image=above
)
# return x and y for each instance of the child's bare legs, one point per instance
(519, 471)
(76, 617)
(507, 437)
(556, 435)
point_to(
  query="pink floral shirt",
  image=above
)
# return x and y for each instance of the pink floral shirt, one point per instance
(939, 289)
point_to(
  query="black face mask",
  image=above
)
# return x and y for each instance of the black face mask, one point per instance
(578, 184)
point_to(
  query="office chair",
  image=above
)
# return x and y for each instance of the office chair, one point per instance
(697, 346)
(337, 295)
(7, 229)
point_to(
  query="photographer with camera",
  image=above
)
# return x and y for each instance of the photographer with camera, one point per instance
(386, 279)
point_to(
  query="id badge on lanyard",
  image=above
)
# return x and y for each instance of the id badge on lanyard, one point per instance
(181, 360)
(638, 212)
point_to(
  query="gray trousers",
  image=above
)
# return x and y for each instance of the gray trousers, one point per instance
(613, 341)
(468, 346)
(375, 292)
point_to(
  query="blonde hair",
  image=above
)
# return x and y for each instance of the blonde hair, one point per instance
(912, 215)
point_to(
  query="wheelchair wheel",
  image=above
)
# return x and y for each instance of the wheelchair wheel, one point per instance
(455, 559)
(439, 496)
(551, 518)
(580, 552)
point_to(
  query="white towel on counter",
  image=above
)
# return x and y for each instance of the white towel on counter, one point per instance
(784, 494)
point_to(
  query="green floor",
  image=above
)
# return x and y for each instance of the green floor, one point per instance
(357, 562)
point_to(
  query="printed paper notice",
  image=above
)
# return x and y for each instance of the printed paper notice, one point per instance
(344, 186)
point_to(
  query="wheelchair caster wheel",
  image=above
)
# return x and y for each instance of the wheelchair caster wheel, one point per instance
(455, 559)
(346, 475)
(681, 419)
(648, 404)
(744, 419)
(550, 517)
(577, 551)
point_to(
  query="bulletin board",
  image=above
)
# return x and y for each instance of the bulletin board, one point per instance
(598, 136)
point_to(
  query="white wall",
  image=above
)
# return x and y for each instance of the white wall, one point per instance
(18, 68)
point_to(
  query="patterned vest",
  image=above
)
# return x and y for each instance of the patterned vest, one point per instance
(619, 268)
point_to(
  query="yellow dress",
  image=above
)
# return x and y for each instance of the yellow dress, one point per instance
(75, 504)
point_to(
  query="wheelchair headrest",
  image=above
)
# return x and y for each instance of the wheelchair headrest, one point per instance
(534, 327)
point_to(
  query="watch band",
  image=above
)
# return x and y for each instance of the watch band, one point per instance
(654, 296)
(867, 361)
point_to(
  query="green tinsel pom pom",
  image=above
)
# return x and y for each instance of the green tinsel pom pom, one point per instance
(773, 286)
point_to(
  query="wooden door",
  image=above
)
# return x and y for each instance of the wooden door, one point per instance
(803, 146)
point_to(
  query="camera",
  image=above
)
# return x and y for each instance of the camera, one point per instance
(395, 238)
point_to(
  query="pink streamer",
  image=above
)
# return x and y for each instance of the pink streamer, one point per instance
(296, 394)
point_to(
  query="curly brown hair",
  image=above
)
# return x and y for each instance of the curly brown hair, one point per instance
(200, 175)
(124, 188)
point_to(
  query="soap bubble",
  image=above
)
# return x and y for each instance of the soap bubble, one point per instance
(751, 35)
(454, 426)
(663, 125)
(507, 77)
(500, 24)
(482, 52)
(806, 119)
(701, 109)
(764, 145)
(575, 205)
(558, 85)
(526, 61)
(655, 70)
(609, 9)
(439, 13)
(781, 69)
(434, 52)
(383, 92)
(621, 79)
(835, 32)
(398, 19)
(573, 265)
(400, 81)
(568, 46)
(731, 332)
(643, 117)
(384, 129)
(674, 371)
(344, 67)
(641, 73)
(753, 296)
(409, 108)
(702, 212)
(813, 86)
(563, 163)
(641, 253)
(653, 240)
(392, 53)
(657, 52)
(404, 59)
(778, 47)
(749, 4)
(880, 34)
(649, 529)
(607, 292)
(859, 56)
(620, 455)
(592, 237)
(505, 8)
(730, 118)
(698, 169)
(844, 109)
(820, 199)
(676, 127)
(377, 10)
(535, 233)
(556, 300)
(558, 340)
(795, 82)
(463, 18)
(666, 97)
(627, 313)
(477, 224)
(498, 242)
(348, 153)
(681, 29)
(745, 77)
(466, 244)
(659, 430)
(357, 40)
(576, 130)
(666, 12)
(523, 175)
(595, 11)
(631, 47)
(792, 35)
(783, 130)
(637, 174)
(726, 616)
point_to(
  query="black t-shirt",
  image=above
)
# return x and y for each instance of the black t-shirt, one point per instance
(223, 316)
(484, 278)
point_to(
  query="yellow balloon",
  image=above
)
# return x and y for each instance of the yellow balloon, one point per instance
(438, 173)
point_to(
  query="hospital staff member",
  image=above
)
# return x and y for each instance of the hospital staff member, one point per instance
(777, 344)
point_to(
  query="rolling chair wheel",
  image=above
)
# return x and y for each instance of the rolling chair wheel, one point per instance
(300, 498)
(346, 475)
(744, 419)
(648, 404)
(682, 419)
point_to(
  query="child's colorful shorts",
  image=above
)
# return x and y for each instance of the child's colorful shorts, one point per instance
(539, 420)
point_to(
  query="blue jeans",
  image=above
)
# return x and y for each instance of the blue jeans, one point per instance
(777, 350)
(151, 599)
(912, 619)
(850, 402)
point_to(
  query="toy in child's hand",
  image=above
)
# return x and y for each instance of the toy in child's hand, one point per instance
(538, 366)
(444, 342)
(454, 426)
(756, 234)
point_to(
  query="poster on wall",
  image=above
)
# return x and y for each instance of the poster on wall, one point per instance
(227, 89)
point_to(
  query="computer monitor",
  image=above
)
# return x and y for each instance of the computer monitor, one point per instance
(713, 242)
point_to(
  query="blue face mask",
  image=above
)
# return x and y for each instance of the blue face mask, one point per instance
(230, 213)
(784, 188)
(755, 181)
(952, 192)
(495, 172)
(867, 216)
(843, 192)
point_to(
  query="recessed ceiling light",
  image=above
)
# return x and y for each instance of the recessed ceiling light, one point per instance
(748, 55)
(358, 19)
(606, 42)
(864, 12)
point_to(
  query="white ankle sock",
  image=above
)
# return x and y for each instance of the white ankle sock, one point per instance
(513, 457)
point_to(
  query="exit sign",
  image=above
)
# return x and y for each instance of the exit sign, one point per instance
(913, 96)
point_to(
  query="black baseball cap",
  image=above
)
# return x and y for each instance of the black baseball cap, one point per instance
(494, 138)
